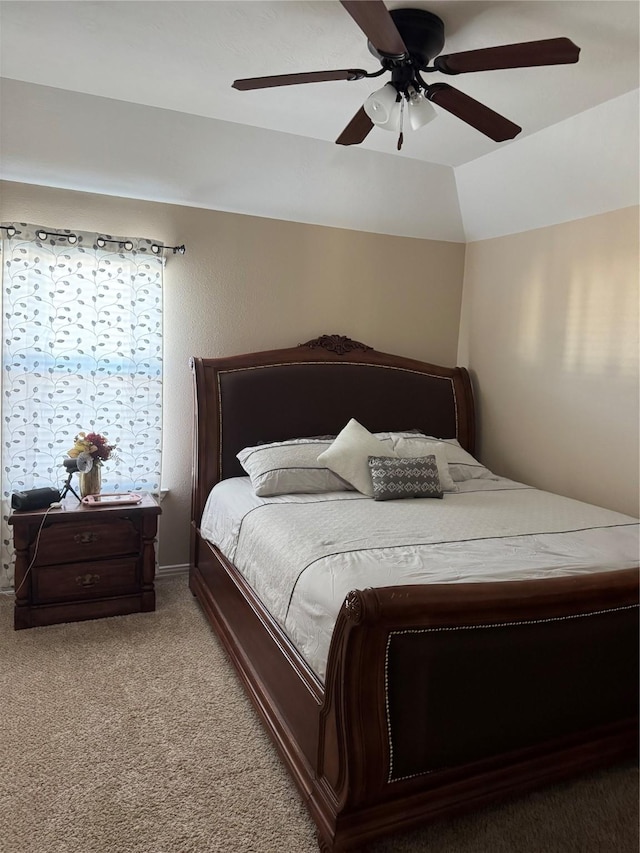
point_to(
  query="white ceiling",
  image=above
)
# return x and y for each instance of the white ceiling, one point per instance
(182, 56)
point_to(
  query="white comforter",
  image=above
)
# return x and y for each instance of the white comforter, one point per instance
(304, 553)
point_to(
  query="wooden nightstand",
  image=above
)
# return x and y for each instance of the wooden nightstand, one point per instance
(90, 562)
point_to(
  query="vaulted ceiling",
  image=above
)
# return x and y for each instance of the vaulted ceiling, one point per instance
(135, 99)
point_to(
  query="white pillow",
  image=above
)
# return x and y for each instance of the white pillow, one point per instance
(462, 465)
(348, 456)
(407, 448)
(290, 467)
(385, 436)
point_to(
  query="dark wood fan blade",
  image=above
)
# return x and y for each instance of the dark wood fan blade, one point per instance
(357, 129)
(294, 79)
(560, 51)
(472, 112)
(377, 24)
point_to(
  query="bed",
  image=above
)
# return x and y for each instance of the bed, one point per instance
(421, 700)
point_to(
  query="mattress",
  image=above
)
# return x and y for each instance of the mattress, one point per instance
(304, 553)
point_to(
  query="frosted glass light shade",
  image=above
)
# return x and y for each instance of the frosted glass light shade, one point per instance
(383, 109)
(420, 112)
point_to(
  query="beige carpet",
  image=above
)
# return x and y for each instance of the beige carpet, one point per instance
(132, 735)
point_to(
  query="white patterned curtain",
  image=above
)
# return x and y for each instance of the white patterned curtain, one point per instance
(81, 350)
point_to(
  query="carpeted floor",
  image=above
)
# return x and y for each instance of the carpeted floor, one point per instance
(132, 735)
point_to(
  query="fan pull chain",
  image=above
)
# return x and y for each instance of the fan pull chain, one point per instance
(401, 137)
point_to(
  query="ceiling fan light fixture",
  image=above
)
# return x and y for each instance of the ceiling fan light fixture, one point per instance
(420, 111)
(383, 107)
(408, 42)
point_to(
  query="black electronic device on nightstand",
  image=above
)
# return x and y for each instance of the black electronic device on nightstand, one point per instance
(34, 498)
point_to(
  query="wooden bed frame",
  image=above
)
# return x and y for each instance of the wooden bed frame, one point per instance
(437, 698)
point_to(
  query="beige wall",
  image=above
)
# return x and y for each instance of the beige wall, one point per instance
(247, 283)
(549, 329)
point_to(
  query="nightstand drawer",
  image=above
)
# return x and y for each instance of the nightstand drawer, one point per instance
(77, 581)
(88, 540)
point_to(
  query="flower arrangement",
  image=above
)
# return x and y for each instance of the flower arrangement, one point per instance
(95, 445)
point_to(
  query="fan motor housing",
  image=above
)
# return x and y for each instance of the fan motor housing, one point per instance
(421, 31)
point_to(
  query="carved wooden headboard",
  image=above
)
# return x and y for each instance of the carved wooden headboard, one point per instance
(314, 389)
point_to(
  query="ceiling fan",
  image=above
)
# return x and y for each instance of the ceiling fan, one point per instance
(405, 41)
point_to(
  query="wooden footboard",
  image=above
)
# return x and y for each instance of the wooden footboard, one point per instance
(442, 698)
(437, 699)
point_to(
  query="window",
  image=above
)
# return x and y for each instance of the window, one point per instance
(81, 350)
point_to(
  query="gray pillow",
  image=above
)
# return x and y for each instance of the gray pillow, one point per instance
(404, 478)
(462, 465)
(290, 467)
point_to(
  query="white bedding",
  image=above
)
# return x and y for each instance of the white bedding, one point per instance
(304, 553)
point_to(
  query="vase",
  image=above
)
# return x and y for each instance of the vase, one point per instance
(91, 481)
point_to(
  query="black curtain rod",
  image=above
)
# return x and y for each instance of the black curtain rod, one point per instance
(101, 242)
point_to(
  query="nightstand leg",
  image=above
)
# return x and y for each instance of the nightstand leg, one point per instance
(149, 530)
(22, 585)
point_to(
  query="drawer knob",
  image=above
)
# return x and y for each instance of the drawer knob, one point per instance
(86, 537)
(87, 580)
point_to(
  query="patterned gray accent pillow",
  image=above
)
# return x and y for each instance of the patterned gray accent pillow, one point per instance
(404, 478)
